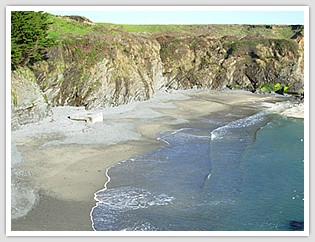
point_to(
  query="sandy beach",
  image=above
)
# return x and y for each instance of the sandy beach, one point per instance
(58, 163)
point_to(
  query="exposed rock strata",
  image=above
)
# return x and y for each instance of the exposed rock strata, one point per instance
(114, 67)
(27, 100)
(92, 73)
(246, 63)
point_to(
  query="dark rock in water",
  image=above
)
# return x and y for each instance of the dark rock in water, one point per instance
(296, 225)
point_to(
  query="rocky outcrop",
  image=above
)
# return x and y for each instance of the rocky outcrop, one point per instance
(76, 18)
(95, 72)
(246, 63)
(28, 104)
(110, 67)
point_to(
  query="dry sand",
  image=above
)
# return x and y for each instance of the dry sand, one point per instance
(64, 161)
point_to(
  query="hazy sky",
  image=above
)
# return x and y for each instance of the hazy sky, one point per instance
(189, 17)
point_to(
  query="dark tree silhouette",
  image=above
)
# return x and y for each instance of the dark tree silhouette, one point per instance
(29, 37)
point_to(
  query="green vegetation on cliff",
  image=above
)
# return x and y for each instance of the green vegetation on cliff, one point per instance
(251, 46)
(267, 87)
(61, 26)
(76, 26)
(215, 30)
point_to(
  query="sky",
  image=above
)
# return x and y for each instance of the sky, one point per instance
(190, 17)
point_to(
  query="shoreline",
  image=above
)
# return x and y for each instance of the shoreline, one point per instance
(67, 206)
(69, 159)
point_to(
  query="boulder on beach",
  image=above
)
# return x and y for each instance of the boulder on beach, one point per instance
(88, 117)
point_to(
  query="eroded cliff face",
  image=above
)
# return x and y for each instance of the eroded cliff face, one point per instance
(245, 63)
(28, 104)
(114, 67)
(94, 72)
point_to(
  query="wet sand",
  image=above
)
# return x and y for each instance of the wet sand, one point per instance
(67, 181)
(65, 160)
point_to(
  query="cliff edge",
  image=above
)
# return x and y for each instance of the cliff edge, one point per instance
(108, 65)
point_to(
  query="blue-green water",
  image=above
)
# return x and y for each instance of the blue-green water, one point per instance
(244, 175)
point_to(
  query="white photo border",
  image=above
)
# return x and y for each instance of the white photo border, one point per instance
(306, 11)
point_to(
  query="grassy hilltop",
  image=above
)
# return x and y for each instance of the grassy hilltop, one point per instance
(64, 25)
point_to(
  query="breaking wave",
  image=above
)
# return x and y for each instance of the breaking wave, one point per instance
(220, 132)
(112, 211)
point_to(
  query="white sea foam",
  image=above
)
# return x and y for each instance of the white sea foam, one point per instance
(131, 198)
(23, 199)
(288, 108)
(277, 107)
(220, 132)
(23, 196)
(116, 201)
(180, 135)
(141, 227)
(284, 108)
(221, 202)
(127, 198)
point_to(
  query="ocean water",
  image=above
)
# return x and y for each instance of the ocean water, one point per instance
(217, 175)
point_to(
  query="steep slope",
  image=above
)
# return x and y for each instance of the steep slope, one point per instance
(101, 70)
(247, 63)
(108, 65)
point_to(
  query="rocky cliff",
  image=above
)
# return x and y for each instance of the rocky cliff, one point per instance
(95, 72)
(28, 103)
(110, 66)
(247, 63)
